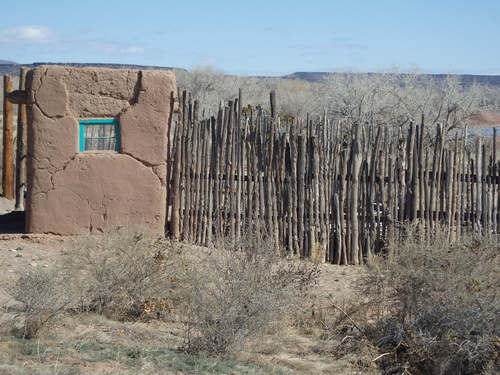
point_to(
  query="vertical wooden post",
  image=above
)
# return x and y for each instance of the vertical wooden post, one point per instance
(21, 146)
(8, 139)
(187, 161)
(272, 97)
(356, 160)
(479, 185)
(422, 188)
(240, 149)
(176, 173)
(494, 185)
(20, 166)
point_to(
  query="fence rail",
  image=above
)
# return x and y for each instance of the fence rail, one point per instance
(324, 190)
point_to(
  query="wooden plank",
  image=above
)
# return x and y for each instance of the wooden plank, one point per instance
(409, 176)
(272, 97)
(463, 182)
(204, 182)
(484, 192)
(230, 200)
(18, 97)
(20, 166)
(198, 149)
(218, 144)
(389, 214)
(294, 200)
(213, 180)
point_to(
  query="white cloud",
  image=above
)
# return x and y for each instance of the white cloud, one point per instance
(200, 58)
(132, 50)
(110, 47)
(28, 35)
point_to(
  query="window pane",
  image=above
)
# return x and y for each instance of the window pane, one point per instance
(98, 136)
(100, 144)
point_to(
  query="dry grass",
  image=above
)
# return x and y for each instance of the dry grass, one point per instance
(101, 330)
(429, 308)
(238, 290)
(122, 274)
(435, 306)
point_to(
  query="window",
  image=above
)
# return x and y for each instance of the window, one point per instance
(100, 134)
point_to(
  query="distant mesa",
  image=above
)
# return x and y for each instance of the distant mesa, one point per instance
(467, 79)
(6, 62)
(12, 68)
(102, 65)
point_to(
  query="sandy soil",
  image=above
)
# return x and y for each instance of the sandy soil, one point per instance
(20, 251)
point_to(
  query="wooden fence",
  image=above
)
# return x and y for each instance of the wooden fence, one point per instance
(323, 190)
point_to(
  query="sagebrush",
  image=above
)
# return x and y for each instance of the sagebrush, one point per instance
(124, 274)
(238, 289)
(435, 304)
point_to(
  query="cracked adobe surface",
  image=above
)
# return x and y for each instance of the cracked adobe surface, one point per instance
(72, 192)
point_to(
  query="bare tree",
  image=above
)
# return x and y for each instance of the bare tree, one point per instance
(356, 97)
(209, 86)
(453, 103)
(395, 98)
(297, 98)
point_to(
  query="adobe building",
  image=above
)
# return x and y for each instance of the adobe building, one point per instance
(97, 148)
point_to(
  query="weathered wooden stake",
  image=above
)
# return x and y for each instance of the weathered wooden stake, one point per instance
(8, 140)
(21, 146)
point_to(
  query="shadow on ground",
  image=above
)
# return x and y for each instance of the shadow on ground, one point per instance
(12, 222)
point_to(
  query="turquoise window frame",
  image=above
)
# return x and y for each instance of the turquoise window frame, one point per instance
(97, 122)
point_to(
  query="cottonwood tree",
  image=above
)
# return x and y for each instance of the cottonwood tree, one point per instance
(297, 98)
(207, 85)
(492, 100)
(356, 97)
(453, 103)
(387, 97)
(396, 99)
(210, 86)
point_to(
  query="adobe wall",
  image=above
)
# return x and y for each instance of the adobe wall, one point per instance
(72, 192)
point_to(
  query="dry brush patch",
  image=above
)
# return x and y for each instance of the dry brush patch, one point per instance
(435, 306)
(240, 289)
(80, 312)
(124, 274)
(429, 307)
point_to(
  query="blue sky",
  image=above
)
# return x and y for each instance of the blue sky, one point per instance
(258, 37)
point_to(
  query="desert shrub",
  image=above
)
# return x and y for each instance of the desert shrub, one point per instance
(436, 304)
(123, 274)
(43, 296)
(237, 290)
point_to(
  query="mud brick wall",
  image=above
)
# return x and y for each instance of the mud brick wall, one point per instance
(72, 192)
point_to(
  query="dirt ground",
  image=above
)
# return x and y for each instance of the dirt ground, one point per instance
(20, 252)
